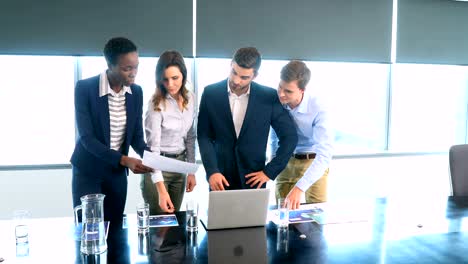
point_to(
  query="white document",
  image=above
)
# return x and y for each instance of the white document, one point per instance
(158, 162)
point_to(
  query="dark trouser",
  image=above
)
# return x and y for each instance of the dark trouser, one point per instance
(175, 186)
(234, 180)
(113, 185)
(237, 181)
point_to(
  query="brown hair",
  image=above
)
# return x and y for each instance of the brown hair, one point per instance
(167, 59)
(248, 58)
(296, 71)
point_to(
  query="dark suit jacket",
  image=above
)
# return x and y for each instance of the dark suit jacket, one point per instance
(223, 152)
(92, 154)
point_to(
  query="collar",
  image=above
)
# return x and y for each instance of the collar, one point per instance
(169, 97)
(105, 89)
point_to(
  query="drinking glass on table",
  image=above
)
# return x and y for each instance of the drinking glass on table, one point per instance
(21, 219)
(192, 215)
(143, 217)
(283, 213)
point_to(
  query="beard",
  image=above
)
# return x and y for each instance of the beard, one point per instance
(236, 88)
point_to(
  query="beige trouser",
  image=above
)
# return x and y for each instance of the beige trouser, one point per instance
(175, 186)
(287, 179)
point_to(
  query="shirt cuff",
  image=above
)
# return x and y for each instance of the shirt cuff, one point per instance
(157, 176)
(303, 185)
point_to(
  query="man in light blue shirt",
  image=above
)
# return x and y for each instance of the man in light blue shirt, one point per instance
(307, 169)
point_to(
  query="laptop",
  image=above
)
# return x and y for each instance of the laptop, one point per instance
(236, 208)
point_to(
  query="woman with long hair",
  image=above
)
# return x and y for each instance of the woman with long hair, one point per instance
(170, 132)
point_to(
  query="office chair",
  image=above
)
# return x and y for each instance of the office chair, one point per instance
(458, 160)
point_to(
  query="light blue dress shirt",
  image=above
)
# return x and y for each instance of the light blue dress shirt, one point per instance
(315, 135)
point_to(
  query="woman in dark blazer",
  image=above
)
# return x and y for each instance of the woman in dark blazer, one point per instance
(108, 112)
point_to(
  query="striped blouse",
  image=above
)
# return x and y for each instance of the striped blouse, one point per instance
(117, 111)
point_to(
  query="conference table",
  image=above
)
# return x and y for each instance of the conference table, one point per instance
(388, 230)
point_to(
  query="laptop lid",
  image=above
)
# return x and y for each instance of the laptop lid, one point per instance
(237, 208)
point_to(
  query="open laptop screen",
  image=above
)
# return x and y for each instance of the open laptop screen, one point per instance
(237, 208)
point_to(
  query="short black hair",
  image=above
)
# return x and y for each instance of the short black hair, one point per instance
(248, 58)
(116, 47)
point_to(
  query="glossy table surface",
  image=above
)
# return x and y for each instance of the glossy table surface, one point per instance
(393, 231)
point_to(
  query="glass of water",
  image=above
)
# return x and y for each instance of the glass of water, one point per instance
(21, 219)
(143, 217)
(192, 215)
(283, 213)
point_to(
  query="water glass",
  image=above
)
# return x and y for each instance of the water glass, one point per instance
(22, 250)
(283, 213)
(21, 219)
(192, 215)
(143, 217)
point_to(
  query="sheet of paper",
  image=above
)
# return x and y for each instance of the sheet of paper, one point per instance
(158, 162)
(329, 213)
(303, 215)
(296, 216)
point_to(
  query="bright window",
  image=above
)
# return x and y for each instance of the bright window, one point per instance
(36, 102)
(355, 93)
(428, 107)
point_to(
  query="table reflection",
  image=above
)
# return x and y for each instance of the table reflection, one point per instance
(144, 243)
(167, 245)
(246, 245)
(282, 240)
(117, 249)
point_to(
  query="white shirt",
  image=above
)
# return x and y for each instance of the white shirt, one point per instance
(238, 106)
(171, 130)
(117, 111)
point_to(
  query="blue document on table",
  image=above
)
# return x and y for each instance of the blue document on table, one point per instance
(304, 215)
(163, 220)
(307, 214)
(154, 221)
